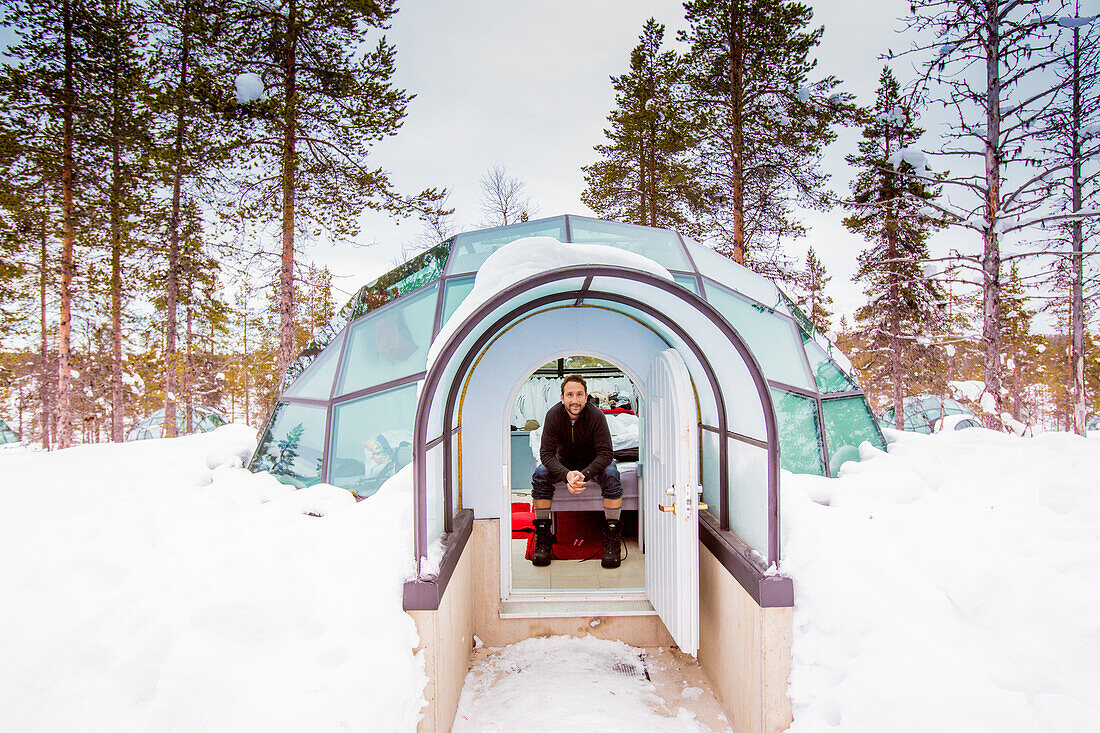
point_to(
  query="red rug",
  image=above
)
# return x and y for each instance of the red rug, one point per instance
(523, 520)
(579, 535)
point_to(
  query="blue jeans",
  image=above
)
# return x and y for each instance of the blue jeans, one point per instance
(542, 485)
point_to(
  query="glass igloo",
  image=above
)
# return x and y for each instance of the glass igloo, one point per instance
(7, 435)
(920, 413)
(203, 419)
(363, 401)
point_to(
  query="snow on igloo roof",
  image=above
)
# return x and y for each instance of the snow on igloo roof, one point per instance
(359, 375)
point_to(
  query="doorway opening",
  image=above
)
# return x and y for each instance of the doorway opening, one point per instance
(578, 520)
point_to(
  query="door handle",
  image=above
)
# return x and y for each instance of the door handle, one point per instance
(664, 508)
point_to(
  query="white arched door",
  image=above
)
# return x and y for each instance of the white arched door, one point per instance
(671, 498)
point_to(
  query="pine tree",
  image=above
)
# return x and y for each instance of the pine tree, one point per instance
(815, 301)
(1018, 343)
(330, 97)
(763, 125)
(645, 175)
(889, 208)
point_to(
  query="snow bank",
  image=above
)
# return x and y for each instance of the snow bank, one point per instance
(157, 585)
(948, 585)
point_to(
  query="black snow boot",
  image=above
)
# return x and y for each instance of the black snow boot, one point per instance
(612, 535)
(540, 555)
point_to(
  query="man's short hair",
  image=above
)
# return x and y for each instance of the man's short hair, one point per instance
(574, 378)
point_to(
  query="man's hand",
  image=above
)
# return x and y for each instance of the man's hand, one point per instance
(576, 482)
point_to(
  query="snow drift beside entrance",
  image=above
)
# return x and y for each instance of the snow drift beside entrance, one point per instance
(158, 586)
(950, 584)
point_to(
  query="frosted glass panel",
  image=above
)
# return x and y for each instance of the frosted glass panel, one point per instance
(372, 439)
(316, 381)
(708, 442)
(292, 445)
(470, 250)
(773, 339)
(725, 270)
(799, 435)
(454, 292)
(389, 343)
(659, 245)
(749, 495)
(848, 422)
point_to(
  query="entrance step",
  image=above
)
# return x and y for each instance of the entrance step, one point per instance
(575, 608)
(563, 683)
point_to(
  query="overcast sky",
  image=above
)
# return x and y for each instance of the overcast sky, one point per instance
(527, 85)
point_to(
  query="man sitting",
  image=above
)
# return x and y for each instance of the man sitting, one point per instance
(575, 448)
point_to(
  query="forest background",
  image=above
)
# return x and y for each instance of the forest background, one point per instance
(165, 162)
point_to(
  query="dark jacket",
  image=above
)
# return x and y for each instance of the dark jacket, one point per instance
(584, 445)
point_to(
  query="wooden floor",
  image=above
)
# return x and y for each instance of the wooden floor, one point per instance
(578, 574)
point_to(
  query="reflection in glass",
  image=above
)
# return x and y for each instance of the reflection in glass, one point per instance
(848, 422)
(372, 439)
(660, 245)
(292, 445)
(425, 268)
(799, 435)
(828, 375)
(390, 343)
(315, 381)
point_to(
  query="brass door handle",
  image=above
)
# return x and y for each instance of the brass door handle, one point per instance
(701, 506)
(664, 508)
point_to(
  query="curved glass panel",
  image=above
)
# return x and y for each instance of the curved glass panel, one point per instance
(800, 448)
(708, 447)
(828, 375)
(292, 445)
(660, 245)
(316, 381)
(773, 339)
(390, 343)
(738, 277)
(425, 268)
(371, 439)
(749, 495)
(471, 249)
(454, 292)
(848, 422)
(688, 281)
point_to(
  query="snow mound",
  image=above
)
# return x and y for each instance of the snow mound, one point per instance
(949, 584)
(157, 585)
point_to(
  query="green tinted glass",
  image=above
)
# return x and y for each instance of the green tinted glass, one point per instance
(372, 439)
(829, 376)
(848, 422)
(660, 245)
(470, 250)
(292, 445)
(390, 343)
(454, 293)
(799, 435)
(416, 273)
(773, 339)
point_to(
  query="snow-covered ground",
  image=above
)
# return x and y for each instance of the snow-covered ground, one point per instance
(158, 586)
(952, 584)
